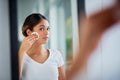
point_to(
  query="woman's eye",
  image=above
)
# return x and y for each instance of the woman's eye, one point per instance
(48, 29)
(42, 29)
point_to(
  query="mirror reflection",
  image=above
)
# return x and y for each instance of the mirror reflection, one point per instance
(46, 38)
(56, 31)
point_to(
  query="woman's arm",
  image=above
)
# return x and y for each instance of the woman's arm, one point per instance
(26, 44)
(62, 73)
(91, 31)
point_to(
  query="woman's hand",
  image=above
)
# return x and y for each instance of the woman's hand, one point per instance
(34, 47)
(25, 46)
(27, 43)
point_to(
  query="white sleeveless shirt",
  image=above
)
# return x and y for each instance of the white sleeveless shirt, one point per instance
(48, 70)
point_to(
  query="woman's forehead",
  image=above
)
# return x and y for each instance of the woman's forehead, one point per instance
(43, 23)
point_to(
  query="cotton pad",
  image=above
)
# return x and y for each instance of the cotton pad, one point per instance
(37, 35)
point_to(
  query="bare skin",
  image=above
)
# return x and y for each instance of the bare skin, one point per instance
(91, 31)
(35, 47)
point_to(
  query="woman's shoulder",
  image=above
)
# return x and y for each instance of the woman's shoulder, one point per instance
(55, 52)
(57, 56)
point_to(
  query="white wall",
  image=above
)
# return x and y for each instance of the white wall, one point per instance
(104, 64)
(4, 41)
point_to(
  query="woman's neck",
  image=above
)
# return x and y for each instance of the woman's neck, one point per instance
(41, 50)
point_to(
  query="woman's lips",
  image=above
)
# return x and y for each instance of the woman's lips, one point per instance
(46, 38)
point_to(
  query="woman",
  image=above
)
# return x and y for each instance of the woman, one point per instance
(36, 62)
(91, 30)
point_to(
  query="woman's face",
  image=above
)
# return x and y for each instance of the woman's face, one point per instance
(43, 30)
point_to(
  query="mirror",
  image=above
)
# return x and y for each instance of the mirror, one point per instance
(62, 16)
(63, 19)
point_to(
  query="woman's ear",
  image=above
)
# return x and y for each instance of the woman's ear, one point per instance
(28, 31)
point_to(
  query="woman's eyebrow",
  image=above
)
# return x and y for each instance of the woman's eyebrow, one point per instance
(44, 26)
(41, 25)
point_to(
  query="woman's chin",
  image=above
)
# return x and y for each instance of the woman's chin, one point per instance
(45, 42)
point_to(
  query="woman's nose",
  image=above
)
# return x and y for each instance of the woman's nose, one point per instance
(46, 32)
